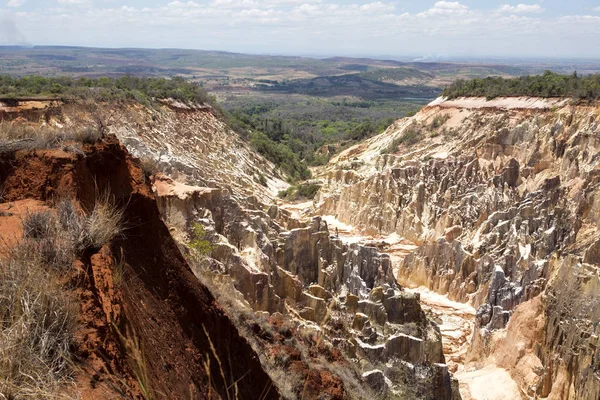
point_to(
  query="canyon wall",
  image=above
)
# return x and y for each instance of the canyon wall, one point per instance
(325, 317)
(501, 199)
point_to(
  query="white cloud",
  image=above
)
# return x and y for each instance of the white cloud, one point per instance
(445, 8)
(73, 2)
(315, 27)
(596, 9)
(450, 5)
(180, 4)
(15, 3)
(522, 8)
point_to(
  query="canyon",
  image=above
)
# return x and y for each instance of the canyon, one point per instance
(453, 256)
(500, 200)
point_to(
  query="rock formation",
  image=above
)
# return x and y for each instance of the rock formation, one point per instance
(502, 200)
(307, 274)
(326, 317)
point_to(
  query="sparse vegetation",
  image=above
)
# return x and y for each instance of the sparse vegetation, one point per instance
(137, 362)
(294, 133)
(199, 243)
(548, 84)
(38, 320)
(149, 166)
(282, 345)
(261, 179)
(439, 120)
(91, 231)
(411, 136)
(280, 155)
(102, 224)
(303, 191)
(37, 327)
(396, 74)
(22, 136)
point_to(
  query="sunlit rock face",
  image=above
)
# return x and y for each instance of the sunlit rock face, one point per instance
(316, 279)
(283, 265)
(502, 200)
(324, 315)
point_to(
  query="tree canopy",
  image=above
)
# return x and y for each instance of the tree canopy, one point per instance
(548, 84)
(103, 89)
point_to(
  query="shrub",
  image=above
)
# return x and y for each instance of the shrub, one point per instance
(143, 90)
(548, 84)
(102, 225)
(409, 137)
(90, 232)
(439, 121)
(22, 136)
(280, 155)
(38, 225)
(199, 243)
(304, 191)
(307, 190)
(53, 244)
(262, 180)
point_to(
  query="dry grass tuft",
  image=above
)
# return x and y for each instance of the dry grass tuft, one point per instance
(37, 325)
(103, 224)
(37, 320)
(135, 357)
(90, 232)
(39, 225)
(23, 136)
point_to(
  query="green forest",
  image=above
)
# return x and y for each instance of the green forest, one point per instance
(143, 90)
(549, 84)
(295, 133)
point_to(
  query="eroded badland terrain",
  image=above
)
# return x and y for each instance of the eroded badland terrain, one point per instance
(453, 256)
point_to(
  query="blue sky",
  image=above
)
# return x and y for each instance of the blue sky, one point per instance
(466, 28)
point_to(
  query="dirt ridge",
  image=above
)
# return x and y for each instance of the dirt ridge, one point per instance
(190, 347)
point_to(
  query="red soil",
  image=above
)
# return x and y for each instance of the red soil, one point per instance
(157, 302)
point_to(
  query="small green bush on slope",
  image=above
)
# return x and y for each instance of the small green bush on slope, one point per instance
(304, 191)
(280, 155)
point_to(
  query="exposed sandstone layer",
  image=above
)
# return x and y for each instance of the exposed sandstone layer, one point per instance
(188, 142)
(502, 199)
(339, 325)
(316, 280)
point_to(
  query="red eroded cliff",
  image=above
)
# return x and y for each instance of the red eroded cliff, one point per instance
(146, 326)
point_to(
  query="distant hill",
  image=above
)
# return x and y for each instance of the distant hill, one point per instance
(365, 61)
(355, 85)
(396, 74)
(206, 65)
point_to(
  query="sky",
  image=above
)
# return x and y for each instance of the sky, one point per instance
(434, 29)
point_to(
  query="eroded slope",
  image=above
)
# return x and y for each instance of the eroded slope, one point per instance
(146, 326)
(501, 199)
(326, 316)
